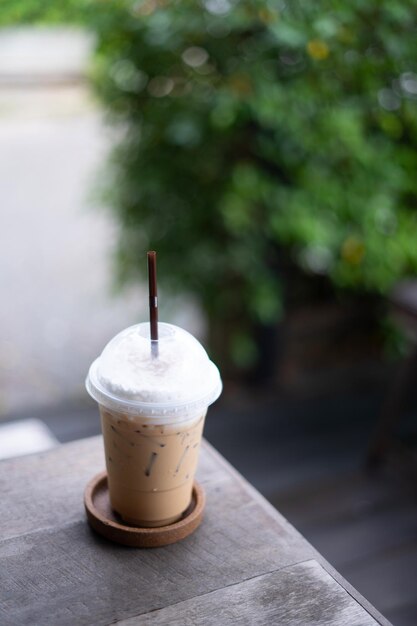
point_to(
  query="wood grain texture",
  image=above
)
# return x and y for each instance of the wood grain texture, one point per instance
(298, 595)
(48, 577)
(276, 517)
(46, 490)
(55, 570)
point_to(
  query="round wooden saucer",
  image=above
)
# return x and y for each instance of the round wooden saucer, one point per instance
(105, 522)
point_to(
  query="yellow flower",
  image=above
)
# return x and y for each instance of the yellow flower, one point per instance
(353, 250)
(391, 125)
(268, 16)
(345, 35)
(241, 85)
(318, 49)
(145, 8)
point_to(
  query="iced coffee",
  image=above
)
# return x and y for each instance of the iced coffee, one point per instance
(152, 413)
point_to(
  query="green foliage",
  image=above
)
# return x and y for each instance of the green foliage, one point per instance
(256, 127)
(14, 12)
(397, 344)
(253, 128)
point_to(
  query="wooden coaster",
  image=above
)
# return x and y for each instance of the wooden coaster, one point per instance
(105, 522)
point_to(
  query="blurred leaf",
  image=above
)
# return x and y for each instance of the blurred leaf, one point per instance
(253, 131)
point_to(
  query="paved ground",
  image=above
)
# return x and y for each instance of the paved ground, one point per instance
(41, 54)
(56, 243)
(55, 255)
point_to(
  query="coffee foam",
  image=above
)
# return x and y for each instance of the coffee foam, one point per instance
(181, 373)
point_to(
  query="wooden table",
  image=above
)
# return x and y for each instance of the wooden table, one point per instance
(245, 564)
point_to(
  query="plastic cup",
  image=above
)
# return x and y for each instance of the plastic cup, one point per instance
(152, 414)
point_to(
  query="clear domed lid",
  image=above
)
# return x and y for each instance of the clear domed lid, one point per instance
(180, 381)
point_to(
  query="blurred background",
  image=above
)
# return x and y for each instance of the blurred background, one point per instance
(268, 152)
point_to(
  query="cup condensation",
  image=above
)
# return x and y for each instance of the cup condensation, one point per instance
(150, 467)
(152, 414)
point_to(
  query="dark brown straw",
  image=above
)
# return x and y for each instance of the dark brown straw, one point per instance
(153, 300)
